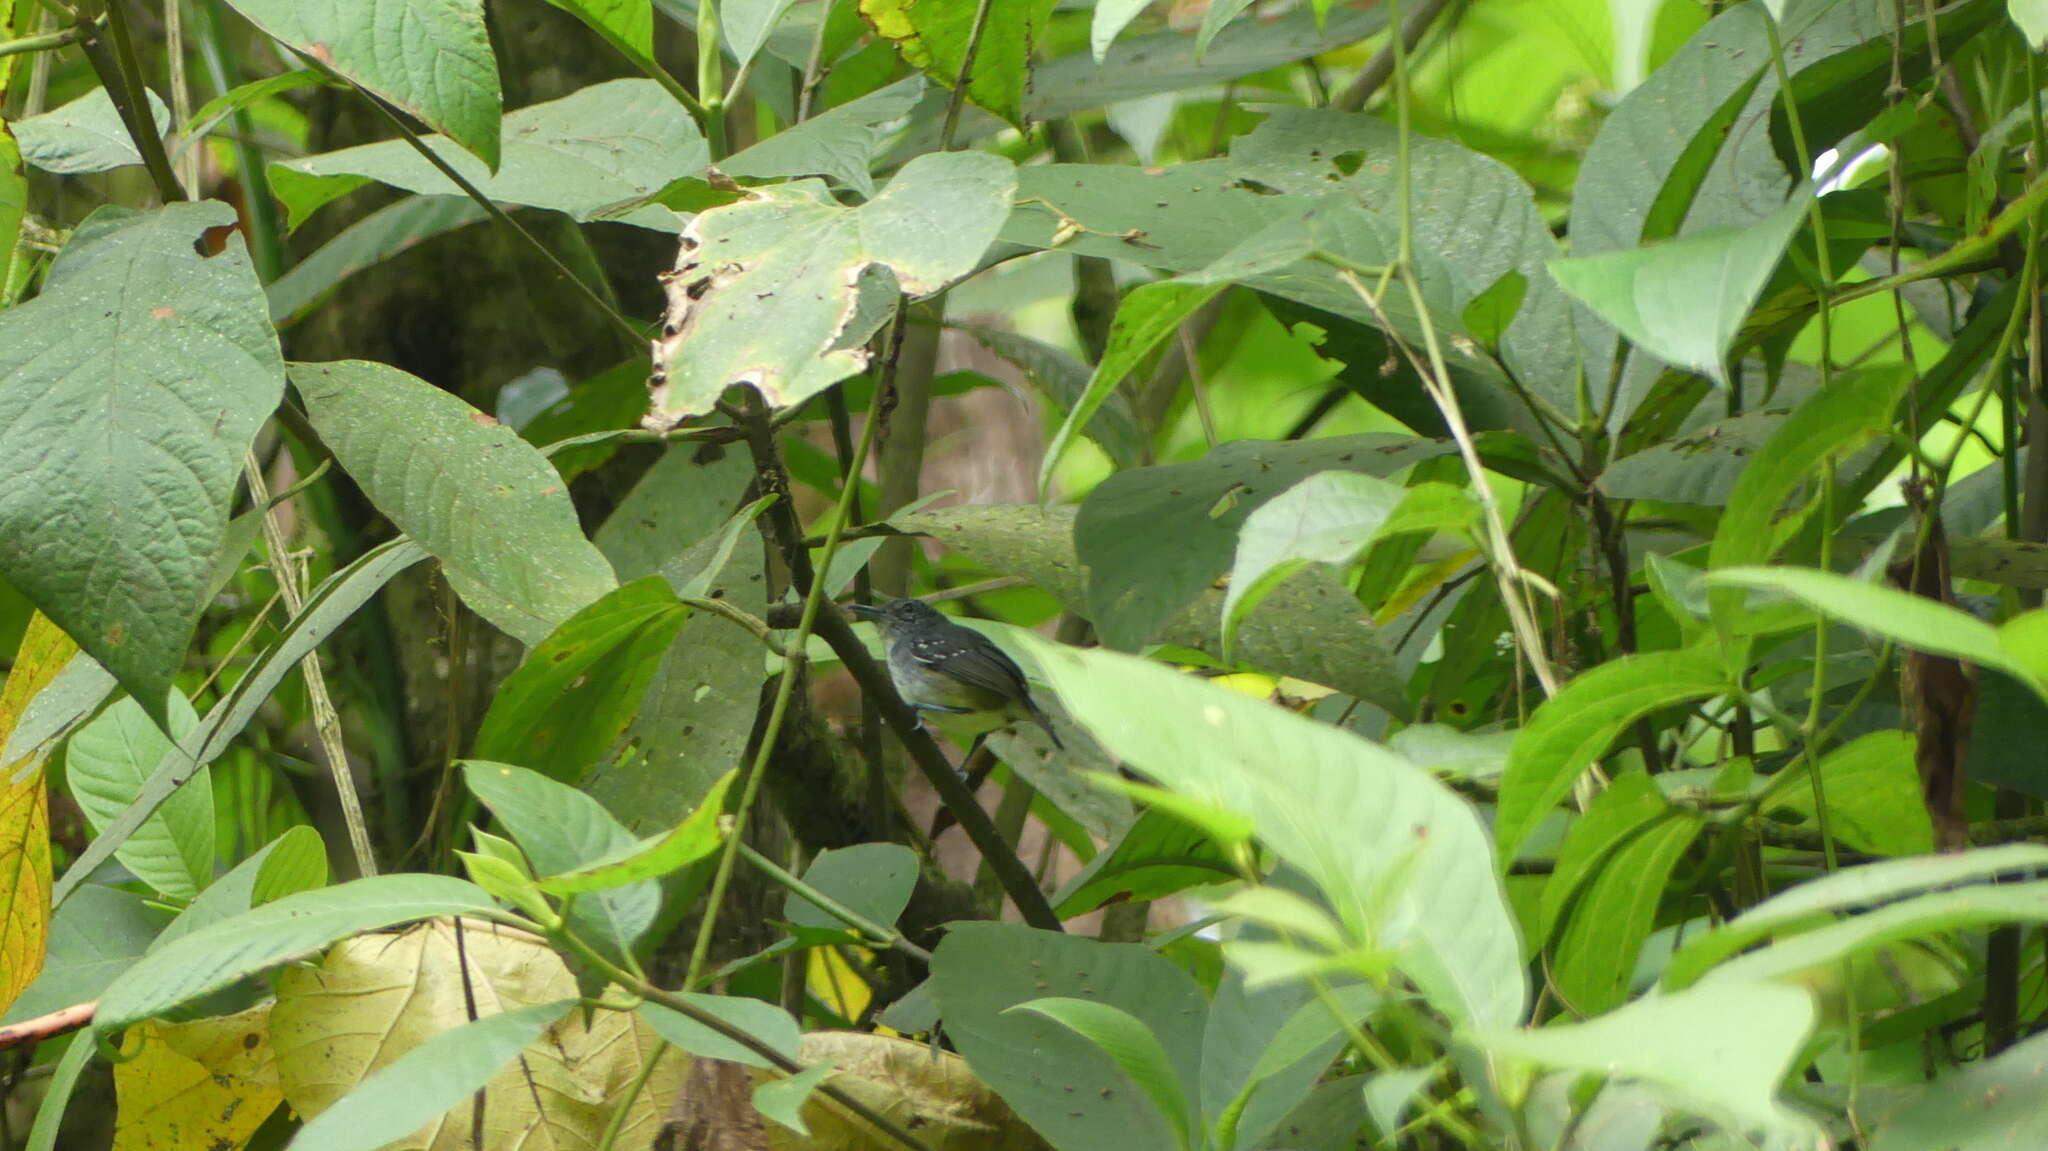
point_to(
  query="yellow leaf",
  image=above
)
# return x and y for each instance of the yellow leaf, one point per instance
(209, 1083)
(375, 997)
(25, 816)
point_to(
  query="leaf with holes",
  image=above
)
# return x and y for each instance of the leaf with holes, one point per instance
(780, 289)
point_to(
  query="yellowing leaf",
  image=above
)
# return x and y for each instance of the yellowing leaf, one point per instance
(208, 1083)
(933, 35)
(25, 816)
(376, 997)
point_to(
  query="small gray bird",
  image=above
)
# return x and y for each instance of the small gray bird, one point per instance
(938, 665)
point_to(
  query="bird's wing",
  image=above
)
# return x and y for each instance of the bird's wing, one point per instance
(980, 664)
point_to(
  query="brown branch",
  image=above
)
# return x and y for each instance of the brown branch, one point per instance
(59, 1022)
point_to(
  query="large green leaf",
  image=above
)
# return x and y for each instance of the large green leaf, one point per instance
(1066, 1087)
(874, 879)
(426, 1082)
(1309, 628)
(840, 143)
(1146, 316)
(1474, 212)
(696, 837)
(1720, 1051)
(430, 57)
(332, 602)
(482, 500)
(627, 25)
(137, 380)
(234, 893)
(1817, 902)
(1617, 815)
(936, 37)
(216, 955)
(1873, 796)
(561, 828)
(1152, 538)
(1964, 909)
(561, 711)
(86, 135)
(1596, 954)
(779, 289)
(1156, 856)
(598, 153)
(1683, 300)
(1576, 726)
(1990, 1105)
(1914, 621)
(107, 763)
(1403, 861)
(1135, 1050)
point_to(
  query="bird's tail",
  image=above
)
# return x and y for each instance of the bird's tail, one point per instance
(1038, 717)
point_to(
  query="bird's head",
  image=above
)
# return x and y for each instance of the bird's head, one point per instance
(898, 614)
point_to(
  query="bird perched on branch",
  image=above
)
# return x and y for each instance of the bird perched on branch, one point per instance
(938, 665)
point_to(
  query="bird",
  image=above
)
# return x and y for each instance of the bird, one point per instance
(939, 665)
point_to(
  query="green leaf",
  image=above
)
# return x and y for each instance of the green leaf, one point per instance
(874, 879)
(563, 709)
(77, 692)
(840, 143)
(426, 1082)
(627, 25)
(1619, 813)
(1066, 1087)
(1402, 860)
(86, 135)
(1220, 13)
(764, 1021)
(1130, 1044)
(108, 762)
(934, 38)
(140, 375)
(1718, 1051)
(1111, 18)
(431, 58)
(241, 97)
(216, 955)
(1577, 725)
(1914, 621)
(1963, 909)
(1146, 316)
(746, 25)
(234, 893)
(482, 500)
(561, 828)
(1816, 902)
(1990, 1105)
(694, 838)
(1327, 518)
(1854, 408)
(2025, 641)
(1311, 627)
(1699, 467)
(769, 291)
(600, 153)
(94, 937)
(293, 862)
(1596, 955)
(1873, 796)
(57, 1096)
(783, 1099)
(2031, 18)
(1654, 295)
(1153, 538)
(376, 237)
(332, 602)
(1157, 856)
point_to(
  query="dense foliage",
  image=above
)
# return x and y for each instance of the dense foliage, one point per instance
(1522, 516)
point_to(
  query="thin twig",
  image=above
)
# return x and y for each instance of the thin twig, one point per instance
(284, 566)
(965, 76)
(122, 79)
(879, 932)
(1380, 68)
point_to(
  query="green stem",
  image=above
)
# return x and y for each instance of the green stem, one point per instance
(617, 1123)
(752, 623)
(122, 79)
(794, 658)
(966, 75)
(879, 932)
(711, 77)
(57, 39)
(684, 1007)
(490, 207)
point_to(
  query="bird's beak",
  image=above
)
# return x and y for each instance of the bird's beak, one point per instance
(864, 611)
